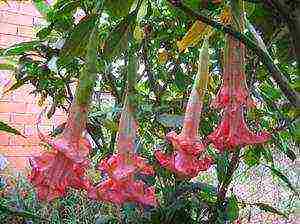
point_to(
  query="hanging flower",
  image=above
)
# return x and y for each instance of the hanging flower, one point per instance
(189, 157)
(121, 168)
(233, 131)
(234, 89)
(65, 164)
(234, 97)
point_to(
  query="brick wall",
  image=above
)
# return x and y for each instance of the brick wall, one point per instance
(19, 109)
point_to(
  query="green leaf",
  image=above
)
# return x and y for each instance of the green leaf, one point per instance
(43, 33)
(119, 8)
(111, 125)
(181, 81)
(252, 156)
(270, 91)
(77, 41)
(232, 210)
(279, 174)
(66, 7)
(41, 6)
(21, 48)
(5, 127)
(268, 208)
(117, 40)
(7, 67)
(291, 155)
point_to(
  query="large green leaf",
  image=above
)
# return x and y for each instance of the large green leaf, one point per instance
(77, 41)
(5, 127)
(118, 7)
(282, 141)
(21, 48)
(232, 210)
(222, 165)
(117, 40)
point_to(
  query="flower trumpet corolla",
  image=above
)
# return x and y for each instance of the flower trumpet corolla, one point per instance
(189, 157)
(122, 167)
(64, 165)
(234, 97)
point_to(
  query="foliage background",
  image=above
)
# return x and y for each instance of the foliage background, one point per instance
(52, 63)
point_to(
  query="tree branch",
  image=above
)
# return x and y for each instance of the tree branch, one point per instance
(232, 167)
(277, 75)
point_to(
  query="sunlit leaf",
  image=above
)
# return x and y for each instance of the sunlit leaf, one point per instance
(193, 36)
(21, 48)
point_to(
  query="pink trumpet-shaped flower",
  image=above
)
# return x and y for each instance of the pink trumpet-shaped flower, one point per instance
(189, 157)
(64, 166)
(234, 89)
(233, 96)
(121, 185)
(233, 131)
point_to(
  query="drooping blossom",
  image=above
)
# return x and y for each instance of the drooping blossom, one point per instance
(121, 185)
(189, 156)
(234, 98)
(65, 163)
(233, 132)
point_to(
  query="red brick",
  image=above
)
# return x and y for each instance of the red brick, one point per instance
(7, 40)
(26, 31)
(16, 140)
(12, 17)
(29, 9)
(24, 118)
(12, 107)
(11, 6)
(5, 117)
(4, 138)
(5, 97)
(8, 28)
(17, 30)
(23, 94)
(20, 150)
(19, 164)
(18, 155)
(33, 108)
